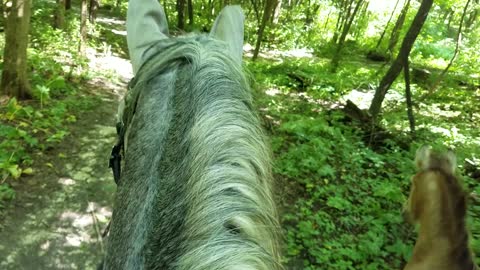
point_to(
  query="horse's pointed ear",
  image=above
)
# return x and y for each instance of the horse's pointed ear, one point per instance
(452, 161)
(422, 158)
(228, 27)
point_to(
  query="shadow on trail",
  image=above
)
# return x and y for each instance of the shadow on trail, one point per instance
(59, 213)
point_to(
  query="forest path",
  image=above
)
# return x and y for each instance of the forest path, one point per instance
(58, 215)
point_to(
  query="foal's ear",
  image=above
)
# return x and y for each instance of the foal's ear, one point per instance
(228, 27)
(422, 158)
(452, 161)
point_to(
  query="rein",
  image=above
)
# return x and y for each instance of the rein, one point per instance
(124, 118)
(115, 161)
(125, 114)
(151, 67)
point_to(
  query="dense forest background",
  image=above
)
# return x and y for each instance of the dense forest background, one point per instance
(347, 90)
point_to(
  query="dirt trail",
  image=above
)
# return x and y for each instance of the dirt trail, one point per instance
(58, 215)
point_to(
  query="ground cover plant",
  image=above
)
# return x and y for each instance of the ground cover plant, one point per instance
(342, 201)
(30, 129)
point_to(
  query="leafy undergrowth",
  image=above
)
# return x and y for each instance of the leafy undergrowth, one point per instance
(56, 74)
(341, 200)
(29, 127)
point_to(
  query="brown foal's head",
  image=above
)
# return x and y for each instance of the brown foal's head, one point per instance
(435, 174)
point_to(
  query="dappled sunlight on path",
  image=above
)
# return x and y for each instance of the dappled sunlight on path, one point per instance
(60, 212)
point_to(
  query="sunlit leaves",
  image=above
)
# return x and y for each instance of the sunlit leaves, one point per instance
(25, 129)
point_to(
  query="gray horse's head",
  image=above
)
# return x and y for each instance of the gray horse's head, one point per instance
(196, 189)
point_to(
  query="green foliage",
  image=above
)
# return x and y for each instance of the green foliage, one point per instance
(24, 128)
(350, 208)
(29, 127)
(311, 75)
(342, 201)
(111, 6)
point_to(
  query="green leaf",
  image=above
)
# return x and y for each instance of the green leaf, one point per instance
(388, 190)
(57, 83)
(42, 89)
(6, 193)
(28, 171)
(58, 136)
(14, 171)
(339, 203)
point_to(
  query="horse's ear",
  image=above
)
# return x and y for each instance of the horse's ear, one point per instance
(228, 27)
(452, 161)
(422, 158)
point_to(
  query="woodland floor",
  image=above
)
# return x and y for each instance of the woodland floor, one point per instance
(60, 212)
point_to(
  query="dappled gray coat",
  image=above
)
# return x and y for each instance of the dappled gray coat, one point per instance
(195, 190)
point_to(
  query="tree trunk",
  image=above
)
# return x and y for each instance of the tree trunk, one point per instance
(14, 74)
(458, 39)
(68, 4)
(445, 15)
(363, 17)
(2, 13)
(472, 18)
(92, 10)
(83, 28)
(181, 14)
(345, 9)
(308, 15)
(269, 5)
(190, 12)
(386, 26)
(451, 16)
(403, 54)
(60, 15)
(408, 97)
(311, 12)
(341, 41)
(276, 12)
(327, 21)
(255, 9)
(396, 29)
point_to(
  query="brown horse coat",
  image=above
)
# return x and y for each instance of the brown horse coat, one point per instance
(438, 203)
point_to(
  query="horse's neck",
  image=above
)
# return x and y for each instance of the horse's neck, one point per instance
(438, 216)
(438, 220)
(444, 236)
